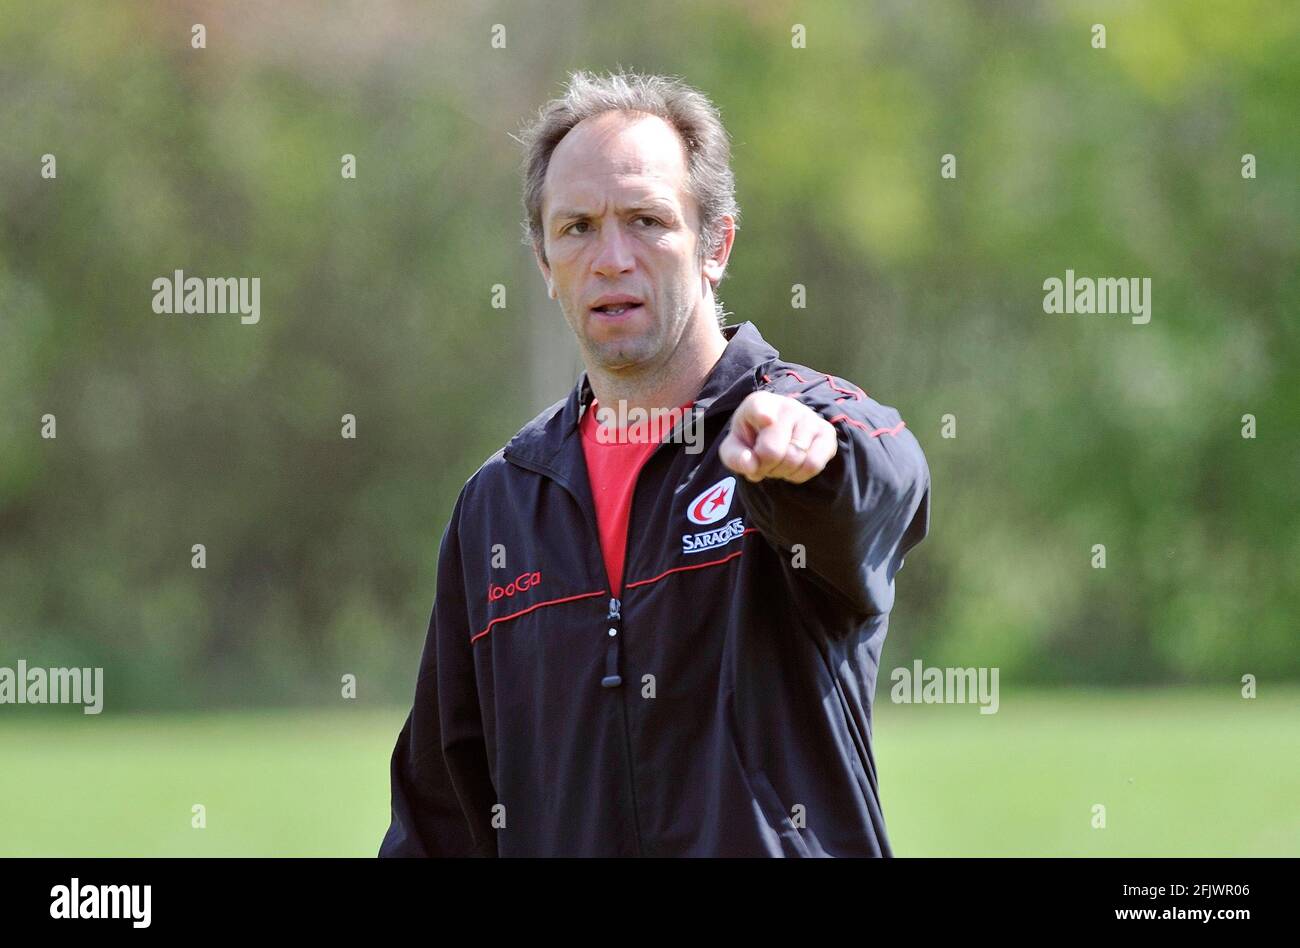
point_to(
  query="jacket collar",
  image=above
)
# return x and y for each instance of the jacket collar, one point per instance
(733, 377)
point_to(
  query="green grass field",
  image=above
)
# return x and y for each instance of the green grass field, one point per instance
(1180, 772)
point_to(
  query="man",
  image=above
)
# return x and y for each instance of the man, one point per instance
(637, 648)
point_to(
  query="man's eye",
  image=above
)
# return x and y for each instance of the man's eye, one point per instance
(570, 229)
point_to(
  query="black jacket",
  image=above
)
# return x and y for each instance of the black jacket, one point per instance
(722, 706)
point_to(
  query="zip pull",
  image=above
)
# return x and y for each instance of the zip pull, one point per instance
(612, 679)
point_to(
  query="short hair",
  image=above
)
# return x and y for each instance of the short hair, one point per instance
(697, 121)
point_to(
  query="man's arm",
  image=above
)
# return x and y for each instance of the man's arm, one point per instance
(840, 475)
(429, 804)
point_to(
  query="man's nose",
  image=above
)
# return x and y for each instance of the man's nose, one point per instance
(613, 251)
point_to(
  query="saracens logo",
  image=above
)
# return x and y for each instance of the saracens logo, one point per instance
(522, 583)
(713, 503)
(710, 539)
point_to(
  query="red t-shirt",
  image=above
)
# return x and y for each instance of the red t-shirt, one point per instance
(612, 468)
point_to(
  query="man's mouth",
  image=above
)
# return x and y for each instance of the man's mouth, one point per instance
(616, 309)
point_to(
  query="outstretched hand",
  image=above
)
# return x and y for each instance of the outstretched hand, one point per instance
(777, 436)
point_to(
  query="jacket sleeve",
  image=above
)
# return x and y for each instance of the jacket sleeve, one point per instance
(436, 782)
(868, 507)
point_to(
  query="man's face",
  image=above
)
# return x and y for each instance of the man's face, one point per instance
(618, 223)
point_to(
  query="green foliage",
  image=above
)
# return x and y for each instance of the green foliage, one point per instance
(1072, 431)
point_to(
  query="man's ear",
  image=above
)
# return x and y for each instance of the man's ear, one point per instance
(716, 265)
(539, 256)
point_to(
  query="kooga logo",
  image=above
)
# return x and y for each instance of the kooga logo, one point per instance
(523, 583)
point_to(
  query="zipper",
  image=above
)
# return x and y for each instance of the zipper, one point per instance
(614, 633)
(612, 679)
